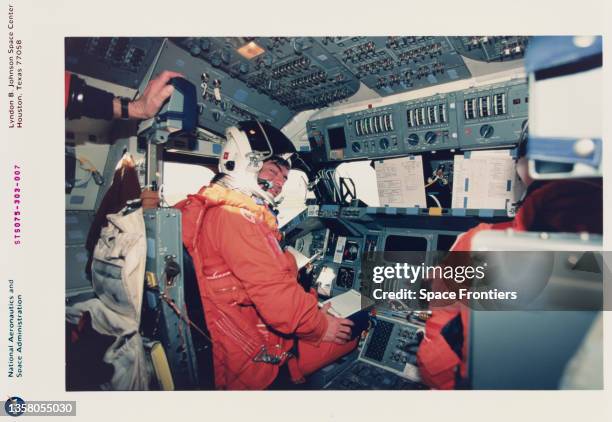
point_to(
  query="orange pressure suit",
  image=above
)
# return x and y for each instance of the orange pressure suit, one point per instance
(253, 304)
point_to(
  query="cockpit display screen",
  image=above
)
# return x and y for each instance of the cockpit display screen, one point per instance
(337, 138)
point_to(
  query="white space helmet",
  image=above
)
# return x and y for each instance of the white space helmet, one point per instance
(247, 146)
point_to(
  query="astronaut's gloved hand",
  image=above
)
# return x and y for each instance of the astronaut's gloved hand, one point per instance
(148, 104)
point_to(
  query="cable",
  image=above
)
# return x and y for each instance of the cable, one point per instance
(432, 196)
(91, 169)
(182, 316)
(82, 161)
(162, 198)
(263, 131)
(523, 138)
(82, 183)
(524, 131)
(432, 182)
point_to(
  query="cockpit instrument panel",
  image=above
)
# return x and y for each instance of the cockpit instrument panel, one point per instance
(297, 72)
(490, 48)
(342, 242)
(274, 78)
(488, 116)
(223, 100)
(120, 60)
(394, 64)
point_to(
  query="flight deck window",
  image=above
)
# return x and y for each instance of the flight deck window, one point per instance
(182, 179)
(294, 196)
(364, 177)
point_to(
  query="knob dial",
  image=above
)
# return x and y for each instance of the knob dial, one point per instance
(356, 147)
(486, 131)
(216, 115)
(384, 143)
(299, 44)
(215, 60)
(205, 44)
(413, 139)
(195, 50)
(226, 55)
(267, 60)
(431, 137)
